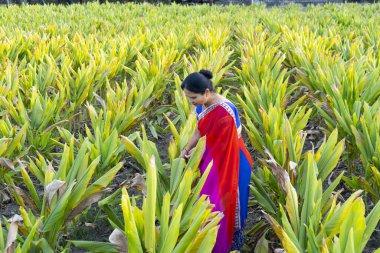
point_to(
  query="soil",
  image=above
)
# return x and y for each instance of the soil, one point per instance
(9, 209)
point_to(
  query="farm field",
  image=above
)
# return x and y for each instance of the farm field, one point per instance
(93, 121)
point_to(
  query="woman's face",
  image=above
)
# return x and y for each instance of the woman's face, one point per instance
(197, 99)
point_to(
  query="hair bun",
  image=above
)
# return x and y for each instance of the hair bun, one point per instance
(206, 73)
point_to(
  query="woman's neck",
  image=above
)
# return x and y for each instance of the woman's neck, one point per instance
(215, 98)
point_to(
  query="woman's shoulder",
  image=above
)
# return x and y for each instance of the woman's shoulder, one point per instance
(230, 105)
(198, 109)
(232, 111)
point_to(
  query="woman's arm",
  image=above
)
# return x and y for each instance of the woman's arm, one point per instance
(191, 144)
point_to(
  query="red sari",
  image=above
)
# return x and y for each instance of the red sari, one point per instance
(224, 147)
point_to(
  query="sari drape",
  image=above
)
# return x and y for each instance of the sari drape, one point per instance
(228, 182)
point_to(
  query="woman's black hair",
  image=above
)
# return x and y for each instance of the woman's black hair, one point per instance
(198, 82)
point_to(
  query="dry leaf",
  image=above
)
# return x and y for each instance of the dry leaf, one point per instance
(86, 203)
(91, 225)
(4, 197)
(52, 188)
(139, 182)
(280, 173)
(99, 99)
(12, 233)
(25, 197)
(293, 167)
(15, 218)
(118, 239)
(56, 124)
(6, 163)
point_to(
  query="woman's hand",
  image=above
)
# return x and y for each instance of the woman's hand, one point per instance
(186, 153)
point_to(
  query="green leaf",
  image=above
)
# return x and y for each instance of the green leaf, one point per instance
(209, 241)
(262, 245)
(58, 214)
(97, 247)
(134, 151)
(103, 181)
(372, 220)
(28, 241)
(130, 229)
(150, 207)
(173, 231)
(164, 220)
(327, 193)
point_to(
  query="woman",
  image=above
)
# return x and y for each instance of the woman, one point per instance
(228, 182)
